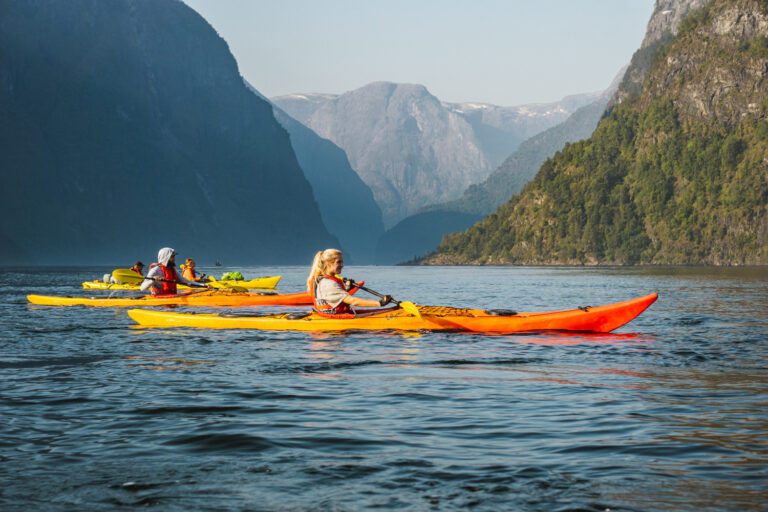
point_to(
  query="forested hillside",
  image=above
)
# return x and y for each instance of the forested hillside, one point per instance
(676, 173)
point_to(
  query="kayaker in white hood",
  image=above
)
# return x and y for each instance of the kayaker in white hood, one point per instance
(162, 276)
(165, 254)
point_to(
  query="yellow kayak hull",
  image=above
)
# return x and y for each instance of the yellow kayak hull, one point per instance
(207, 298)
(260, 283)
(432, 318)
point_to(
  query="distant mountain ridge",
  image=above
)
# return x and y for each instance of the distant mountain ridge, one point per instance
(521, 166)
(404, 242)
(500, 130)
(411, 148)
(126, 127)
(674, 174)
(402, 142)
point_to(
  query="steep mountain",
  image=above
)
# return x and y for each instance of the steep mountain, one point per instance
(412, 149)
(404, 242)
(403, 143)
(676, 173)
(126, 126)
(662, 27)
(346, 203)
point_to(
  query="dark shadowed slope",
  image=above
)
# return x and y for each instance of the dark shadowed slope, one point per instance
(126, 126)
(346, 203)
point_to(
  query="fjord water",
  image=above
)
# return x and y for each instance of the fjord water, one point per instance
(667, 413)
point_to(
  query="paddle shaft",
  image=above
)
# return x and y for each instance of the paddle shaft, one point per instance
(130, 275)
(216, 285)
(373, 292)
(407, 306)
(168, 281)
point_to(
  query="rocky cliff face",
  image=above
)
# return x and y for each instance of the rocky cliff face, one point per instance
(705, 86)
(412, 149)
(675, 174)
(126, 127)
(662, 27)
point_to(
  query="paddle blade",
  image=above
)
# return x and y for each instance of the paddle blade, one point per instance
(126, 276)
(223, 285)
(410, 308)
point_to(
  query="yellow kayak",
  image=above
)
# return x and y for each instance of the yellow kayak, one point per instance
(208, 298)
(260, 283)
(433, 318)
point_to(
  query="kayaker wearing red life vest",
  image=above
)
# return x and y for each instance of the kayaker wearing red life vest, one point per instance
(162, 276)
(329, 292)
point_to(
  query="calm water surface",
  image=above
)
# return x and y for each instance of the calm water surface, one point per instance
(668, 413)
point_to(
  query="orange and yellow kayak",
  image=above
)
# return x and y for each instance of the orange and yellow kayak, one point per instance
(213, 298)
(434, 318)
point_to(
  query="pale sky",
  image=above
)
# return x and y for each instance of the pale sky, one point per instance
(505, 52)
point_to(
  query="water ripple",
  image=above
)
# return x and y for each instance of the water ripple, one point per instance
(218, 442)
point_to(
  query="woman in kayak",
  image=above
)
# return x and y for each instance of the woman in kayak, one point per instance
(189, 271)
(329, 292)
(162, 276)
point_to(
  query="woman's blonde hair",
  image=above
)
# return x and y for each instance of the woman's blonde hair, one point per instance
(190, 261)
(320, 265)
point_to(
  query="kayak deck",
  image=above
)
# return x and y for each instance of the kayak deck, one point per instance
(212, 298)
(590, 319)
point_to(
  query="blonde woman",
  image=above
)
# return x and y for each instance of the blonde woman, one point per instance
(189, 272)
(329, 292)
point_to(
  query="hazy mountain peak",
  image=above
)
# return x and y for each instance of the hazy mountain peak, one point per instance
(414, 150)
(403, 143)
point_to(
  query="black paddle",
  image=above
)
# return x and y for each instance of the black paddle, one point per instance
(160, 279)
(132, 277)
